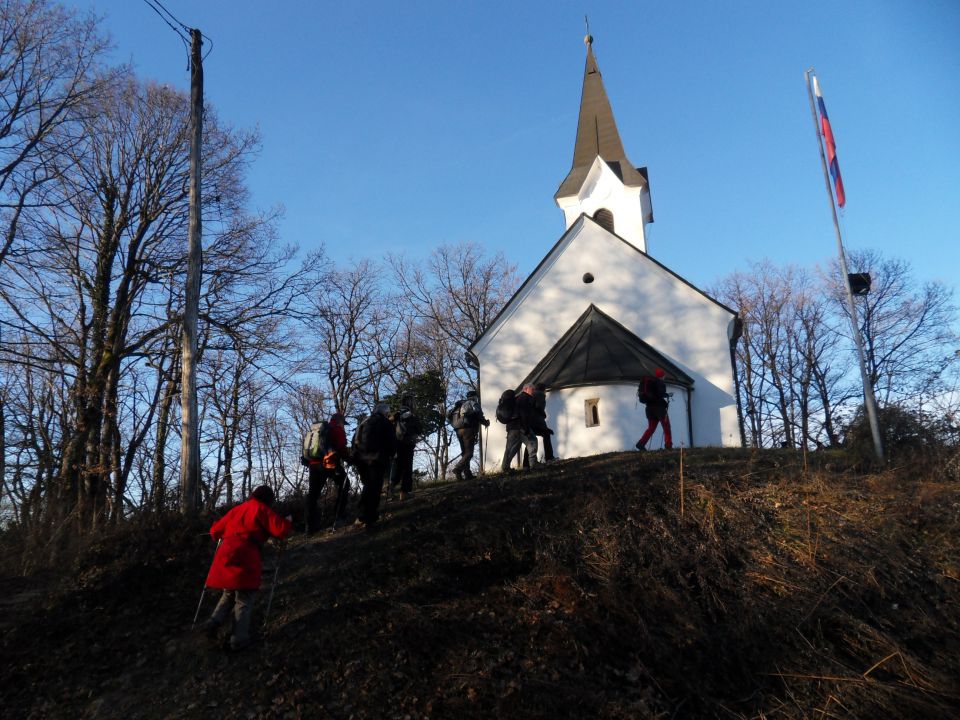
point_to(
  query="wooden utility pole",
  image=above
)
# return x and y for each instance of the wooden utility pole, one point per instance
(190, 433)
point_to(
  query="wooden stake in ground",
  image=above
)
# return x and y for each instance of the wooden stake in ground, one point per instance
(681, 481)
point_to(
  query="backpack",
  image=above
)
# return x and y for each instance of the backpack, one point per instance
(374, 438)
(408, 427)
(315, 443)
(363, 442)
(506, 407)
(645, 390)
(455, 417)
(464, 414)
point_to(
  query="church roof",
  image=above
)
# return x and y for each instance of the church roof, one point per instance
(597, 350)
(597, 135)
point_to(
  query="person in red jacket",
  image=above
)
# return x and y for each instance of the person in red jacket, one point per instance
(656, 410)
(238, 564)
(330, 466)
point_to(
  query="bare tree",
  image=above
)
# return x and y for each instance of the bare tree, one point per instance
(450, 298)
(907, 328)
(764, 353)
(355, 329)
(49, 78)
(459, 290)
(795, 361)
(94, 294)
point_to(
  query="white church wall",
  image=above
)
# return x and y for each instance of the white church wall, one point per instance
(621, 415)
(664, 311)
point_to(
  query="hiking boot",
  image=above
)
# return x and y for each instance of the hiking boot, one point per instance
(640, 446)
(210, 628)
(458, 474)
(238, 645)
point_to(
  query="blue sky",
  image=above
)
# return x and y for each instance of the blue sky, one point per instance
(400, 126)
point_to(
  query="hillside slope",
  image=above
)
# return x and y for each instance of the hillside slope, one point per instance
(592, 588)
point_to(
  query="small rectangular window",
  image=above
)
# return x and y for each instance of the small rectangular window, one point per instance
(591, 412)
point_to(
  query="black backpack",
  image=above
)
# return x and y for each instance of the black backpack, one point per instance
(507, 407)
(315, 442)
(408, 427)
(363, 440)
(645, 391)
(373, 438)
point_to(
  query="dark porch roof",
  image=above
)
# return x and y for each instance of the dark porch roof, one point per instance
(598, 350)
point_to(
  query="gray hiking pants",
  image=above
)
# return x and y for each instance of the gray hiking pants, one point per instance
(516, 438)
(241, 602)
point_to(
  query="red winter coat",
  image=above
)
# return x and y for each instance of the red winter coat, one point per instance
(237, 564)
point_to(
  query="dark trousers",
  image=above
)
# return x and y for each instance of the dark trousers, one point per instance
(318, 478)
(402, 469)
(516, 438)
(657, 414)
(545, 433)
(371, 477)
(468, 438)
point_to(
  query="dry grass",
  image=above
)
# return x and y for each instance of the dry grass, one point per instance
(747, 585)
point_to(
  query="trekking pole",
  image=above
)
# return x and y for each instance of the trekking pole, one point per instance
(483, 447)
(203, 592)
(273, 586)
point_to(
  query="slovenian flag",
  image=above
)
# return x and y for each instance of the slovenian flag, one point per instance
(831, 145)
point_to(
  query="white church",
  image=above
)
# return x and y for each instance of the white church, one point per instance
(599, 313)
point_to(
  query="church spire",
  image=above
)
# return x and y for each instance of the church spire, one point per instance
(597, 134)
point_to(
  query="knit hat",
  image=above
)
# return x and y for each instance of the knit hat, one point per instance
(659, 373)
(264, 494)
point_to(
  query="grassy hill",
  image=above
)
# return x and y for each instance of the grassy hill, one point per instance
(742, 585)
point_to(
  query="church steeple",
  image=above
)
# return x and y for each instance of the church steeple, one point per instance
(597, 137)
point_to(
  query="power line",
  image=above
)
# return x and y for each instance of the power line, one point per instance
(154, 3)
(209, 40)
(183, 38)
(159, 8)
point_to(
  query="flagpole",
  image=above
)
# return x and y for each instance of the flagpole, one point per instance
(869, 400)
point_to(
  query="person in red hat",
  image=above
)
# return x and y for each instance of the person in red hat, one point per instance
(238, 564)
(654, 392)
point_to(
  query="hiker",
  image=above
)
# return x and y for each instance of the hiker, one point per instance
(466, 417)
(373, 445)
(407, 429)
(324, 448)
(238, 564)
(653, 392)
(516, 412)
(539, 423)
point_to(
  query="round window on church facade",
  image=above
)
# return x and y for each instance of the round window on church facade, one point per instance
(588, 278)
